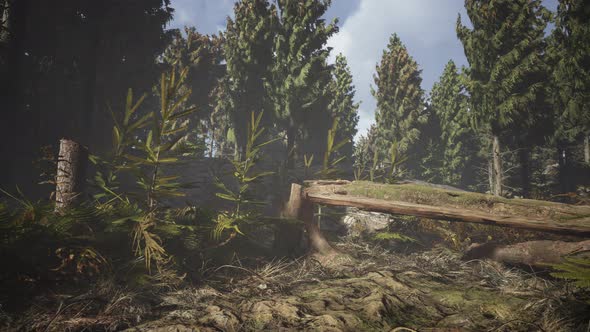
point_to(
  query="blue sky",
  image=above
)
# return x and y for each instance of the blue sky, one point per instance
(427, 27)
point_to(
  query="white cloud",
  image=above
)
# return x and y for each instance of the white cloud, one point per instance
(426, 27)
(208, 16)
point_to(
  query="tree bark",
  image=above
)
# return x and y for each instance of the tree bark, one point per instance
(564, 168)
(300, 208)
(587, 149)
(560, 169)
(71, 168)
(523, 155)
(211, 145)
(533, 253)
(497, 157)
(5, 26)
(491, 175)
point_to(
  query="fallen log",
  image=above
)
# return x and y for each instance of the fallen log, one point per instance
(449, 205)
(533, 253)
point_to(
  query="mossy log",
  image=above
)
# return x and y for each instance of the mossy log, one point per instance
(450, 205)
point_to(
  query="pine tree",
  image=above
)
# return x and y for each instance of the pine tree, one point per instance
(504, 51)
(202, 56)
(301, 75)
(400, 105)
(342, 105)
(428, 152)
(248, 54)
(221, 132)
(450, 104)
(570, 52)
(69, 60)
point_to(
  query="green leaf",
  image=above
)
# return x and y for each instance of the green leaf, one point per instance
(140, 123)
(148, 141)
(257, 176)
(168, 178)
(184, 113)
(174, 131)
(226, 197)
(128, 105)
(168, 160)
(169, 145)
(138, 159)
(267, 142)
(116, 136)
(135, 107)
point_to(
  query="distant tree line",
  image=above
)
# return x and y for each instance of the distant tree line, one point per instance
(516, 120)
(272, 59)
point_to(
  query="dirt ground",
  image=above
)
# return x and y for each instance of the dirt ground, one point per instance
(373, 289)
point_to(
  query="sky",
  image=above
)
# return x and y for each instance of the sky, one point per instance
(426, 27)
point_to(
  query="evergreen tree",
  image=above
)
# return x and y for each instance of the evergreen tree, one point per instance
(301, 75)
(65, 62)
(428, 152)
(202, 56)
(450, 104)
(248, 54)
(221, 132)
(342, 105)
(400, 105)
(570, 52)
(504, 50)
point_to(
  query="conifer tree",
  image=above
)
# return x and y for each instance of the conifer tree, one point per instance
(202, 56)
(248, 54)
(450, 104)
(342, 105)
(300, 73)
(570, 52)
(504, 50)
(427, 153)
(400, 105)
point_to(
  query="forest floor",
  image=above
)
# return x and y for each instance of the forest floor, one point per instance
(375, 290)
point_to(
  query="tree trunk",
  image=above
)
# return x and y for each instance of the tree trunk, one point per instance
(5, 26)
(221, 149)
(532, 253)
(491, 175)
(211, 144)
(565, 169)
(523, 155)
(302, 209)
(563, 166)
(71, 167)
(497, 157)
(587, 149)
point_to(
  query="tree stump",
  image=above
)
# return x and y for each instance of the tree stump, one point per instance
(71, 168)
(302, 209)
